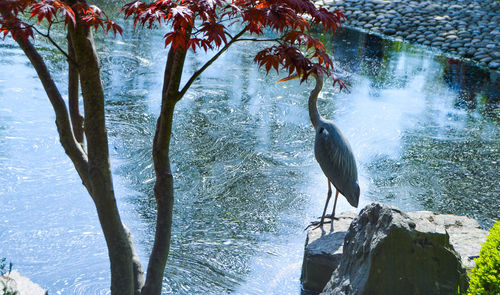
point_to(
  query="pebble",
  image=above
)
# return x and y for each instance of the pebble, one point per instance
(494, 64)
(390, 31)
(466, 28)
(480, 56)
(486, 59)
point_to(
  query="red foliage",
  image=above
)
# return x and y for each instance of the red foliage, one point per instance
(9, 23)
(50, 10)
(206, 24)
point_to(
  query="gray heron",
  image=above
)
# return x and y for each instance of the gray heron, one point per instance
(333, 153)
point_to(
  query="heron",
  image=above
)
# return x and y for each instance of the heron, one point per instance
(333, 153)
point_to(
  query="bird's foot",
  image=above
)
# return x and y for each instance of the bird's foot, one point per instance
(316, 224)
(329, 216)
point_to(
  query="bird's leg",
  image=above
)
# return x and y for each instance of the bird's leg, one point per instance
(335, 204)
(332, 216)
(327, 200)
(324, 210)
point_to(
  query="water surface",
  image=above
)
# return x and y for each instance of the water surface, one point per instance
(424, 130)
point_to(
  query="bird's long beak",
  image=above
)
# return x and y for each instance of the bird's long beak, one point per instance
(296, 76)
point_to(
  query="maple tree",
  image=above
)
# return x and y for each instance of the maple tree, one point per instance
(190, 25)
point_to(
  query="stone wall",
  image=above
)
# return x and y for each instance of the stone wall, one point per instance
(461, 28)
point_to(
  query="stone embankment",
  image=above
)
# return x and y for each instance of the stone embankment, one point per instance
(461, 28)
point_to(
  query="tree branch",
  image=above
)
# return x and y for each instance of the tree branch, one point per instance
(208, 63)
(73, 95)
(164, 185)
(66, 137)
(137, 266)
(258, 40)
(99, 168)
(54, 43)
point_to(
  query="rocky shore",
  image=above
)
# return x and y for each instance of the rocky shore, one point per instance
(461, 28)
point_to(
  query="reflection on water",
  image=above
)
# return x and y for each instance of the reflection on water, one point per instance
(429, 128)
(423, 128)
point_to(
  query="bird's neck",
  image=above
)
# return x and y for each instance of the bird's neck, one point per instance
(313, 98)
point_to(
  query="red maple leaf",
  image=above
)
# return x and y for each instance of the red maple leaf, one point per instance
(214, 32)
(206, 24)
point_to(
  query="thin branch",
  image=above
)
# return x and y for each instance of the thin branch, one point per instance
(229, 19)
(55, 44)
(259, 40)
(208, 63)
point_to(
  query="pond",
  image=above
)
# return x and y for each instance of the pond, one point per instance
(424, 130)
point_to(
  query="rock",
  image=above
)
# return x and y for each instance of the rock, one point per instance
(388, 252)
(437, 44)
(472, 21)
(430, 37)
(462, 51)
(14, 281)
(420, 40)
(494, 64)
(389, 31)
(464, 34)
(486, 60)
(480, 56)
(466, 235)
(322, 253)
(484, 50)
(448, 27)
(469, 52)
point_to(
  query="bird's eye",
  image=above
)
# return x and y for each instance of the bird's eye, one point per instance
(321, 130)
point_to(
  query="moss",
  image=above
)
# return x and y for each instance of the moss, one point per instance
(485, 277)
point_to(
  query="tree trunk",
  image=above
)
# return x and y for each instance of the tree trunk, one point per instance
(137, 266)
(100, 177)
(73, 94)
(164, 186)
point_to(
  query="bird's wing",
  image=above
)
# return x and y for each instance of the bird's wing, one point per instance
(335, 157)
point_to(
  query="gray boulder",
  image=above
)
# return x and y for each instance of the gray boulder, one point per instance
(323, 248)
(388, 252)
(322, 253)
(466, 236)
